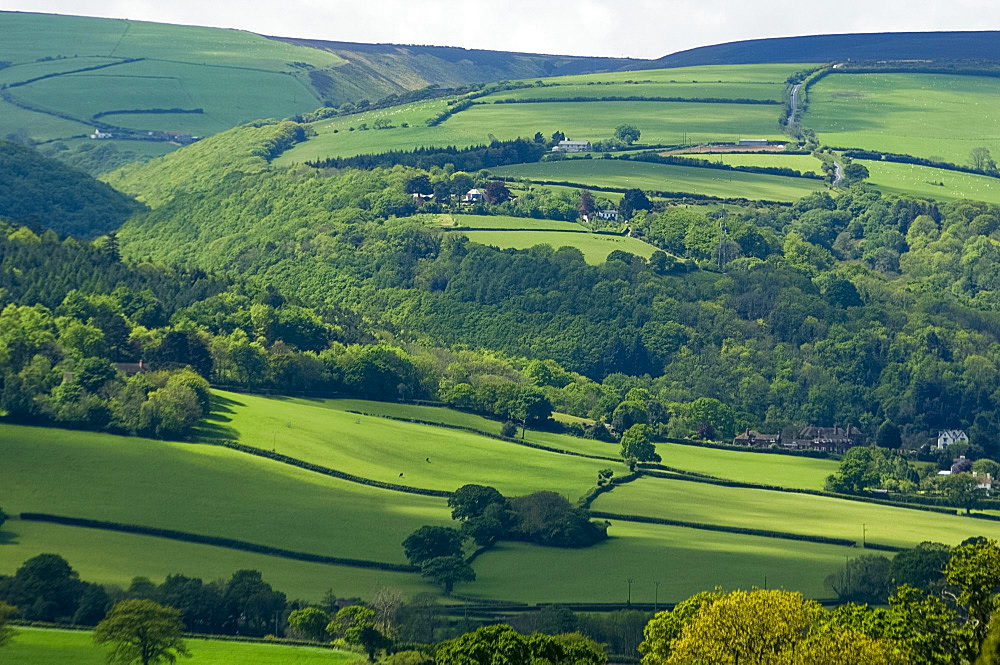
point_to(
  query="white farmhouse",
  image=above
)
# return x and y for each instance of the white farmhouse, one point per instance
(949, 436)
(572, 146)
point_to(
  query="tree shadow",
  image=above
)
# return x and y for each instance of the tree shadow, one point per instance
(8, 537)
(214, 427)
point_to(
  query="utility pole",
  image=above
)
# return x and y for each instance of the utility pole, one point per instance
(629, 580)
(864, 535)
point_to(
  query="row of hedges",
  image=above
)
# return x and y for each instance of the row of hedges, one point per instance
(874, 155)
(640, 98)
(216, 541)
(765, 533)
(587, 499)
(677, 160)
(814, 454)
(123, 61)
(448, 112)
(326, 471)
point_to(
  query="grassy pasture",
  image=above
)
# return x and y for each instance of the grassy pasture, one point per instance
(115, 558)
(595, 247)
(660, 122)
(667, 178)
(445, 416)
(41, 646)
(782, 511)
(801, 163)
(781, 470)
(684, 90)
(382, 449)
(206, 490)
(81, 36)
(38, 125)
(927, 115)
(763, 73)
(684, 560)
(924, 181)
(30, 70)
(505, 222)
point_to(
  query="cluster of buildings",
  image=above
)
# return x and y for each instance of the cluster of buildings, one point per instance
(472, 196)
(834, 439)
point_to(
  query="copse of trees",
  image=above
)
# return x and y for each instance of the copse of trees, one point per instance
(497, 153)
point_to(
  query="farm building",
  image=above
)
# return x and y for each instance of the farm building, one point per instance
(830, 439)
(131, 369)
(98, 134)
(949, 436)
(472, 196)
(749, 143)
(572, 146)
(610, 215)
(751, 438)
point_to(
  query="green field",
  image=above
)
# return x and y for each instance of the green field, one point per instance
(685, 561)
(784, 511)
(382, 449)
(666, 178)
(595, 247)
(660, 122)
(927, 115)
(38, 646)
(505, 222)
(747, 467)
(234, 76)
(108, 557)
(762, 73)
(934, 183)
(801, 163)
(206, 490)
(681, 89)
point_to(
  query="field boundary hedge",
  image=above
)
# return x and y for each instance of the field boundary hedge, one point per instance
(638, 98)
(899, 158)
(123, 61)
(327, 471)
(765, 533)
(654, 193)
(696, 162)
(101, 114)
(217, 541)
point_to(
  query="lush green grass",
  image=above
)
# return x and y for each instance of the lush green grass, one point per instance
(763, 73)
(680, 89)
(801, 163)
(927, 115)
(37, 646)
(667, 178)
(934, 183)
(108, 557)
(504, 222)
(685, 561)
(595, 247)
(382, 449)
(445, 416)
(781, 470)
(235, 76)
(207, 490)
(783, 511)
(14, 119)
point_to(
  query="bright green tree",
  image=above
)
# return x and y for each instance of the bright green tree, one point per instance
(141, 631)
(310, 622)
(637, 444)
(447, 571)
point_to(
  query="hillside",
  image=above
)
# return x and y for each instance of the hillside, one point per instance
(921, 46)
(42, 193)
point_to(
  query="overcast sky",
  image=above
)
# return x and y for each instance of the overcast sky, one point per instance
(635, 28)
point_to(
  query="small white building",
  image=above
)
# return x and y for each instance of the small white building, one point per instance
(753, 142)
(98, 134)
(572, 146)
(472, 196)
(608, 215)
(950, 436)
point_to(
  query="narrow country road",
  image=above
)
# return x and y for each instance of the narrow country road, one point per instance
(795, 103)
(838, 171)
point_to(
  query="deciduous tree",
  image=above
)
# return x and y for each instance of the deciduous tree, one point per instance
(141, 631)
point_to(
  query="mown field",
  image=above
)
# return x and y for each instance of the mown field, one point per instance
(234, 76)
(666, 178)
(595, 247)
(685, 561)
(801, 163)
(38, 646)
(206, 490)
(934, 183)
(795, 513)
(762, 468)
(505, 222)
(757, 90)
(927, 115)
(397, 452)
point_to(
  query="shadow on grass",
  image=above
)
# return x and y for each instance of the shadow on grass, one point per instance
(214, 427)
(8, 537)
